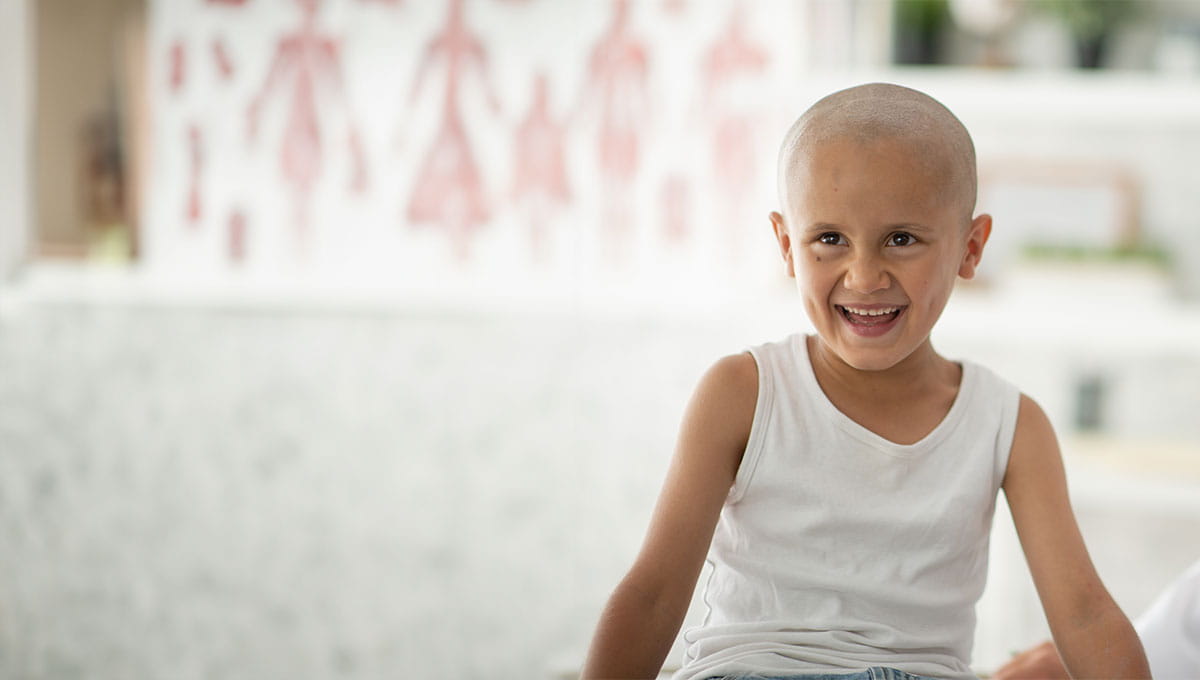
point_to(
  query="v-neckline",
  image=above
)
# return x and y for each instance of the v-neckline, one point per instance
(852, 427)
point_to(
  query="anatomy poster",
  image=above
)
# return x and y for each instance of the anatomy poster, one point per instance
(508, 146)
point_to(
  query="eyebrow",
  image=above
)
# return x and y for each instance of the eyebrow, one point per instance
(897, 226)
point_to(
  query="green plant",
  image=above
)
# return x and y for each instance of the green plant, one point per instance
(1139, 253)
(1090, 19)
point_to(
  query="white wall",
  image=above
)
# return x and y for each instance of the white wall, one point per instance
(344, 231)
(213, 185)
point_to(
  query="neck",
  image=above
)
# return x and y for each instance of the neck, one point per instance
(913, 375)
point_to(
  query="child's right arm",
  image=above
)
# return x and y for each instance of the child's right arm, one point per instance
(645, 611)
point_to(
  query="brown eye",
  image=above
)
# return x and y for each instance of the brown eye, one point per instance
(830, 238)
(901, 239)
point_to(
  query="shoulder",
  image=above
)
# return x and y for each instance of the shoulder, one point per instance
(1035, 445)
(721, 411)
(735, 375)
(1033, 425)
(731, 383)
(999, 392)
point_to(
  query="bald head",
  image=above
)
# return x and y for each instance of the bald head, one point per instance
(867, 113)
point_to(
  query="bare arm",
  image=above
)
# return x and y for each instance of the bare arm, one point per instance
(645, 611)
(1093, 636)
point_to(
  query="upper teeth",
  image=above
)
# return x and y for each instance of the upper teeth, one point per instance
(872, 312)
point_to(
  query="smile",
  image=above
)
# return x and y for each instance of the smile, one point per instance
(870, 321)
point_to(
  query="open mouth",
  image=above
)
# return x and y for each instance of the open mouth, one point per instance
(870, 320)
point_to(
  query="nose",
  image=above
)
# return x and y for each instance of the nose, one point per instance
(866, 274)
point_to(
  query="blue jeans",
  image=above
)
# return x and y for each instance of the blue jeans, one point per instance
(873, 673)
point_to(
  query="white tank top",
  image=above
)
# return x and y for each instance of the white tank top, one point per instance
(838, 550)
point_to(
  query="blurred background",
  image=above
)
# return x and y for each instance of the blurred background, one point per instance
(349, 338)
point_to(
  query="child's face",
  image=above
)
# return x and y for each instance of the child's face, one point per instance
(875, 246)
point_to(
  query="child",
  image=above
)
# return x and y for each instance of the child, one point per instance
(843, 484)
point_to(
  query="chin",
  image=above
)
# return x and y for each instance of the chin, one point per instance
(868, 360)
(874, 354)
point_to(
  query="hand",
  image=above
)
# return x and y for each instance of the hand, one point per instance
(1037, 663)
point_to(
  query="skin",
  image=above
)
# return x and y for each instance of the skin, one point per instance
(864, 233)
(1036, 663)
(874, 218)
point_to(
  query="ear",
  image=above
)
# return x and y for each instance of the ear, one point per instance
(977, 237)
(785, 242)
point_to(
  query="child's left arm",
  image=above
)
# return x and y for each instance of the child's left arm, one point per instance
(1093, 636)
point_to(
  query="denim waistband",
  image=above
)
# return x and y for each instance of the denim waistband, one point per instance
(873, 673)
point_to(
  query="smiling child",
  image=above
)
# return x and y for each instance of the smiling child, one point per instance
(842, 484)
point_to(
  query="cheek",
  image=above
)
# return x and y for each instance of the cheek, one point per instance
(808, 268)
(938, 270)
(938, 283)
(815, 282)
